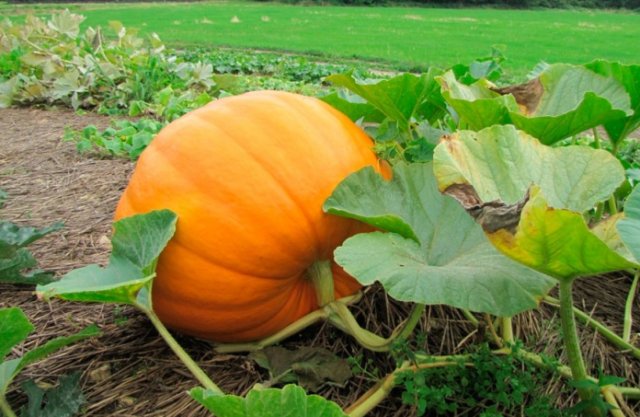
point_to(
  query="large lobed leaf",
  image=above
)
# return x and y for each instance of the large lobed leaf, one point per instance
(562, 101)
(13, 237)
(557, 242)
(501, 163)
(477, 104)
(290, 401)
(400, 98)
(354, 107)
(446, 260)
(500, 176)
(14, 258)
(64, 400)
(629, 77)
(14, 328)
(137, 243)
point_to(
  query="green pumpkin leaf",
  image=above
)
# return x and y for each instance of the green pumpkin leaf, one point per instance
(629, 77)
(563, 101)
(354, 198)
(354, 107)
(570, 100)
(63, 400)
(290, 401)
(13, 237)
(14, 258)
(14, 328)
(629, 227)
(606, 231)
(476, 104)
(501, 163)
(137, 243)
(446, 260)
(556, 242)
(11, 269)
(9, 369)
(399, 98)
(490, 171)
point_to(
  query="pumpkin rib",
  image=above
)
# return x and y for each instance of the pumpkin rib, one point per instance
(341, 120)
(321, 133)
(293, 309)
(297, 111)
(324, 112)
(285, 247)
(257, 157)
(286, 191)
(278, 277)
(298, 296)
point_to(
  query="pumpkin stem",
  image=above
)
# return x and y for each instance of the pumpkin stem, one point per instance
(293, 328)
(321, 278)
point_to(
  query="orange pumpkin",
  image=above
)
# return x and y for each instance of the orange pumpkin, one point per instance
(247, 177)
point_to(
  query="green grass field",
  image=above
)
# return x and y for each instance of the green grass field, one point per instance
(405, 37)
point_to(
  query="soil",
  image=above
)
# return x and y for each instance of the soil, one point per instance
(130, 371)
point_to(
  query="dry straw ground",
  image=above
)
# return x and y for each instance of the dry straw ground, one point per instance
(129, 371)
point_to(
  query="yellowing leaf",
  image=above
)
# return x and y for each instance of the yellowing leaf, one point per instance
(66, 23)
(36, 58)
(118, 27)
(607, 232)
(556, 242)
(501, 163)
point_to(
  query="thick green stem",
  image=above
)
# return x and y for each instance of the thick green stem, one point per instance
(344, 320)
(412, 321)
(181, 353)
(371, 398)
(599, 210)
(601, 328)
(5, 407)
(613, 206)
(469, 316)
(570, 336)
(507, 331)
(596, 138)
(321, 277)
(382, 389)
(628, 319)
(288, 331)
(614, 148)
(610, 398)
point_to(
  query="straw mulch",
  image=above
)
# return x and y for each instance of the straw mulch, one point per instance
(129, 370)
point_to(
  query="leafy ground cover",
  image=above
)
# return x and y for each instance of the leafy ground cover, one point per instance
(404, 37)
(533, 208)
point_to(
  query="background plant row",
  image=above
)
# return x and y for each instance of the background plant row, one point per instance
(554, 4)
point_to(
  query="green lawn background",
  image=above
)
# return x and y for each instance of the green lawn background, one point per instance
(405, 37)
